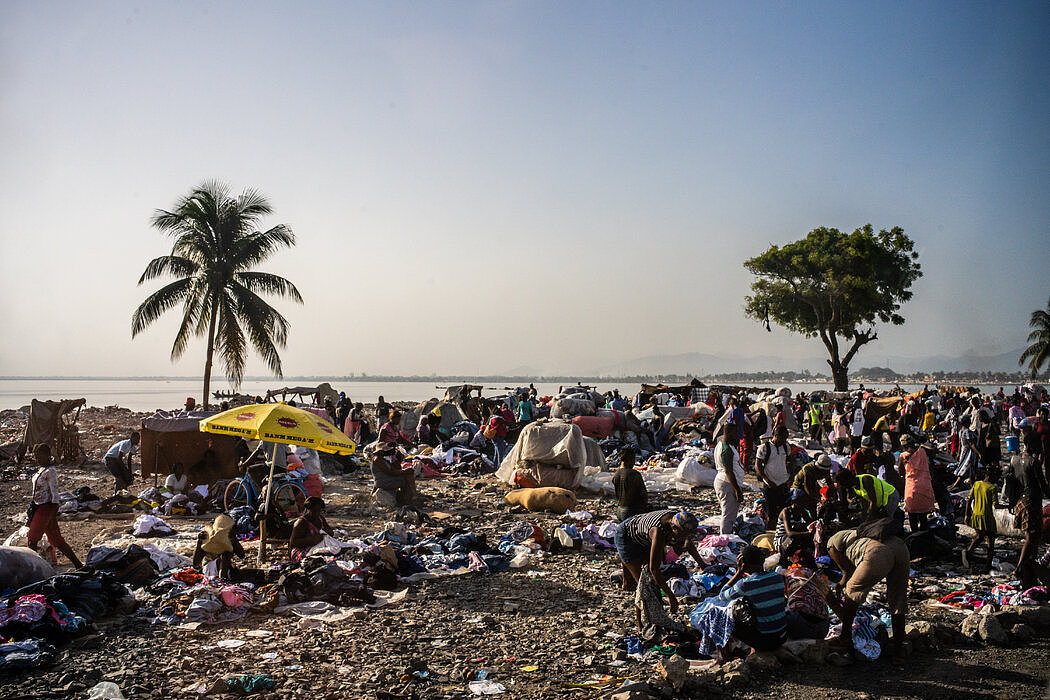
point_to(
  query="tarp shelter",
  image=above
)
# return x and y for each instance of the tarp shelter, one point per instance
(54, 423)
(878, 406)
(552, 453)
(469, 405)
(450, 415)
(306, 394)
(694, 391)
(168, 438)
(771, 405)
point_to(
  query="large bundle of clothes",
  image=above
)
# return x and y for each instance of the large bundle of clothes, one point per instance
(41, 618)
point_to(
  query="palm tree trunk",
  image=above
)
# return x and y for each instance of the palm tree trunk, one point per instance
(211, 352)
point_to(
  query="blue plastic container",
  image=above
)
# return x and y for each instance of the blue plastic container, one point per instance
(1011, 443)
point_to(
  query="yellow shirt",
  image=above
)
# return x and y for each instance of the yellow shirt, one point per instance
(982, 500)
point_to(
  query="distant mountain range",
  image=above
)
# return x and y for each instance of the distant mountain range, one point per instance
(703, 364)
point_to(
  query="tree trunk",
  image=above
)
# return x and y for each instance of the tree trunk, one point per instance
(211, 352)
(839, 374)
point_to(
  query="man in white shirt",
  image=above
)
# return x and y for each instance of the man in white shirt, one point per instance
(858, 426)
(771, 465)
(118, 461)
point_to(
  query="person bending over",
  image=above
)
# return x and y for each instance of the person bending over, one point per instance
(644, 539)
(216, 542)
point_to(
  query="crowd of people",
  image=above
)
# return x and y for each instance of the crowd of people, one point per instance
(846, 502)
(846, 493)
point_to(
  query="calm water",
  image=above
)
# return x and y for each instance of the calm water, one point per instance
(151, 394)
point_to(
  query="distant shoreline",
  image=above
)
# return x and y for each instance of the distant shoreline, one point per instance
(954, 378)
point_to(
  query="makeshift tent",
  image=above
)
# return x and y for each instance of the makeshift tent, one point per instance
(450, 415)
(306, 394)
(694, 391)
(771, 405)
(877, 406)
(54, 423)
(469, 406)
(168, 438)
(551, 453)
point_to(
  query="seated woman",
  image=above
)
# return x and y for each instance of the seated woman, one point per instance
(216, 542)
(394, 486)
(176, 481)
(793, 531)
(764, 626)
(309, 529)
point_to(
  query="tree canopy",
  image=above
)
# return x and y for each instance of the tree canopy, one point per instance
(216, 246)
(1037, 355)
(830, 284)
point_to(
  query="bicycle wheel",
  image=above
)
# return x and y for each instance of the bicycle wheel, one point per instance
(236, 495)
(289, 498)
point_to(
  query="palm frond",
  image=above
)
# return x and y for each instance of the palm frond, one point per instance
(266, 328)
(169, 264)
(196, 312)
(253, 248)
(157, 303)
(266, 283)
(229, 340)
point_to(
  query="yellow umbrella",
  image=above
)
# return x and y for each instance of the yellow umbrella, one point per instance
(278, 423)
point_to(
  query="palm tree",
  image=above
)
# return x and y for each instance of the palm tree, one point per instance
(1038, 353)
(216, 246)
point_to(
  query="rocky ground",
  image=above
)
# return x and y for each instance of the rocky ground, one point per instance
(532, 629)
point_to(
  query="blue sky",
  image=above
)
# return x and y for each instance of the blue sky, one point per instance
(482, 186)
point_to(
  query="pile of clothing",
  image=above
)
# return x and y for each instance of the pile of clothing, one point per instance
(40, 618)
(333, 572)
(80, 500)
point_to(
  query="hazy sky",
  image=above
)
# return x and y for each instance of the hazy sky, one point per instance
(480, 186)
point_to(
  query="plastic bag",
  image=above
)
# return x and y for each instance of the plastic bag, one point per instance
(691, 472)
(21, 566)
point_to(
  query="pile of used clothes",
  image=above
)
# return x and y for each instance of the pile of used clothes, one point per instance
(333, 572)
(80, 500)
(41, 618)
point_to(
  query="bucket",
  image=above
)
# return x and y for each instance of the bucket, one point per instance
(1011, 443)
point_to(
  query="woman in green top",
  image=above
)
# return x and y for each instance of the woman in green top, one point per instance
(980, 515)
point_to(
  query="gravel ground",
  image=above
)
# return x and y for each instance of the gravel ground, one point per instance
(554, 616)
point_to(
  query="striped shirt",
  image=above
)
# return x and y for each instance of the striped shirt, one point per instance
(765, 591)
(636, 529)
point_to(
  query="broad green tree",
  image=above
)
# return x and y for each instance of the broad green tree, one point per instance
(217, 246)
(1037, 355)
(830, 284)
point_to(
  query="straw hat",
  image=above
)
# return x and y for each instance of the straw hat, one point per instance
(217, 535)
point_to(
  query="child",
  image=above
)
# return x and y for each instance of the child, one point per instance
(981, 514)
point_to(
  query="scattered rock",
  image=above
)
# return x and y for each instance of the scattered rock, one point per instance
(675, 670)
(971, 626)
(992, 631)
(1022, 633)
(762, 662)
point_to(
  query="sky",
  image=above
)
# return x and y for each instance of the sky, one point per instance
(479, 187)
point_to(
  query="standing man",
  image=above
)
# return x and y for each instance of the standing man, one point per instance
(729, 478)
(815, 423)
(44, 508)
(342, 410)
(118, 461)
(631, 495)
(857, 428)
(771, 465)
(382, 412)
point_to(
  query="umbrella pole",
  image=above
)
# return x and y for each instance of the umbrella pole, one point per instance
(266, 507)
